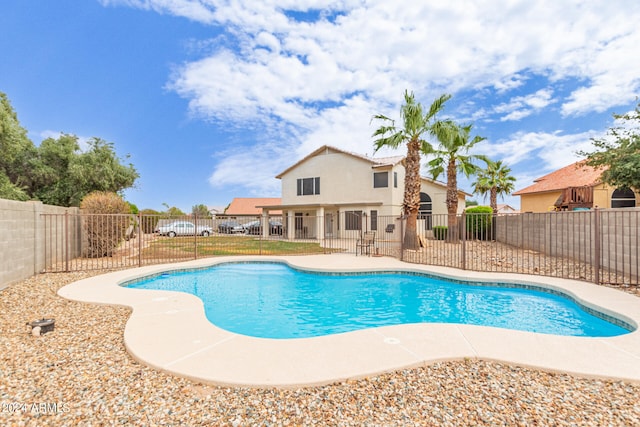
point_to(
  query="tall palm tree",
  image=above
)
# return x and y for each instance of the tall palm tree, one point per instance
(452, 156)
(415, 123)
(496, 180)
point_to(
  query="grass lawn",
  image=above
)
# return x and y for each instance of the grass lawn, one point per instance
(183, 247)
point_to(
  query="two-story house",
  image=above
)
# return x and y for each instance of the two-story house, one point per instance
(332, 192)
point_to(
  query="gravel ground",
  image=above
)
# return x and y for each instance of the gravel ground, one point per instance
(81, 375)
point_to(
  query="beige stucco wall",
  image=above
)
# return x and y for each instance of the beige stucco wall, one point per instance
(602, 196)
(538, 202)
(543, 202)
(344, 179)
(348, 181)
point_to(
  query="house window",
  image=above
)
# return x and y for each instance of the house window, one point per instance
(425, 210)
(380, 179)
(425, 205)
(308, 186)
(374, 220)
(395, 180)
(353, 220)
(623, 199)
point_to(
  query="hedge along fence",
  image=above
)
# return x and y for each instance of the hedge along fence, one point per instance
(479, 223)
(440, 232)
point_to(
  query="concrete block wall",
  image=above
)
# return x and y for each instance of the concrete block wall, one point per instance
(573, 235)
(22, 238)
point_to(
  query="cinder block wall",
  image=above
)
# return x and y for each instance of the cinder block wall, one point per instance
(22, 238)
(573, 235)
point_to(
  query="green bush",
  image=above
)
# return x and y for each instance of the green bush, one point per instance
(149, 220)
(440, 232)
(478, 222)
(104, 229)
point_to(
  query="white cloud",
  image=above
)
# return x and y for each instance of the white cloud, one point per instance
(191, 9)
(523, 106)
(552, 150)
(324, 78)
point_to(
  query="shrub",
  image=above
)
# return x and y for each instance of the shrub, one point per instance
(149, 220)
(106, 219)
(440, 232)
(478, 222)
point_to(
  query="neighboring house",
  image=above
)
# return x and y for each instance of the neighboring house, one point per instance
(215, 210)
(506, 209)
(575, 186)
(248, 206)
(350, 192)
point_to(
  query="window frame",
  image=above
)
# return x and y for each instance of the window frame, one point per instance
(377, 183)
(308, 186)
(353, 220)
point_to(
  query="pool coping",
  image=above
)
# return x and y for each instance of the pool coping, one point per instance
(156, 334)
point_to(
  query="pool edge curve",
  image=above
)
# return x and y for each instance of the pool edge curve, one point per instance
(170, 332)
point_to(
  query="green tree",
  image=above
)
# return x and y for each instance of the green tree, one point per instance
(619, 152)
(99, 169)
(415, 123)
(57, 172)
(496, 180)
(16, 152)
(64, 175)
(10, 191)
(52, 183)
(201, 211)
(450, 157)
(172, 211)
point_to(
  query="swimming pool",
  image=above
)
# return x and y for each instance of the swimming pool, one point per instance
(273, 300)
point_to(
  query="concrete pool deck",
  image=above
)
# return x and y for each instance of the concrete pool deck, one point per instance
(170, 332)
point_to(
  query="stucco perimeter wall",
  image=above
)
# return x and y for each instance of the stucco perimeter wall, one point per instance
(22, 246)
(574, 234)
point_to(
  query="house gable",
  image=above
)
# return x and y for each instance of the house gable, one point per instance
(333, 176)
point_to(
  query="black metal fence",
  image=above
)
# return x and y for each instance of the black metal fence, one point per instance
(599, 246)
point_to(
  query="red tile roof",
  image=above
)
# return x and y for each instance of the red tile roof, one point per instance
(575, 175)
(247, 205)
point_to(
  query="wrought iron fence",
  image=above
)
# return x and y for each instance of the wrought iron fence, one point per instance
(599, 246)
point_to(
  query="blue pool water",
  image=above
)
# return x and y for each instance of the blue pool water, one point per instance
(272, 300)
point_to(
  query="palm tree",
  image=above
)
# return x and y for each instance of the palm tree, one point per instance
(414, 124)
(450, 157)
(496, 180)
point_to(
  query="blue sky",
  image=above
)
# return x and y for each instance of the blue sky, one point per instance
(213, 98)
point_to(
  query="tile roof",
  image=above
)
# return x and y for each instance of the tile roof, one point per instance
(376, 162)
(577, 174)
(247, 205)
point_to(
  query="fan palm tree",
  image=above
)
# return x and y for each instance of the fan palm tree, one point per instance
(450, 157)
(496, 180)
(415, 123)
